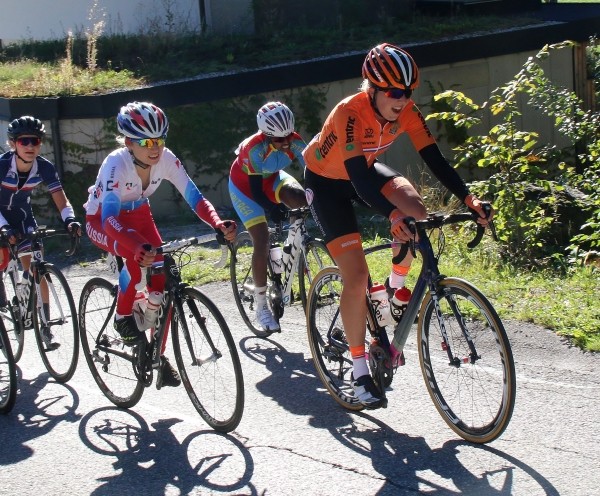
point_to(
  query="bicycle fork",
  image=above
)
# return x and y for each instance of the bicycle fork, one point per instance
(454, 361)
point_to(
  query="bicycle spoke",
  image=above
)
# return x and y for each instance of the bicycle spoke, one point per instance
(55, 325)
(208, 361)
(109, 360)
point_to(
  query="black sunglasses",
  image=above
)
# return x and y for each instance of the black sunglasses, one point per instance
(397, 93)
(29, 140)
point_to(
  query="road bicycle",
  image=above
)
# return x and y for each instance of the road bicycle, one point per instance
(8, 372)
(55, 323)
(205, 352)
(464, 352)
(302, 255)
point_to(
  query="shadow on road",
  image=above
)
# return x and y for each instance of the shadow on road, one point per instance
(407, 465)
(150, 459)
(41, 405)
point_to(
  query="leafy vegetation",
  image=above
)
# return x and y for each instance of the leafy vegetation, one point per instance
(536, 273)
(546, 198)
(93, 62)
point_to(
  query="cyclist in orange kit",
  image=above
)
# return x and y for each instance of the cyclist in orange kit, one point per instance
(341, 166)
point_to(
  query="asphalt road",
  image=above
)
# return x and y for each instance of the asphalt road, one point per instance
(293, 438)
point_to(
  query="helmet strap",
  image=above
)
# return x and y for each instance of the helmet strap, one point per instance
(138, 162)
(22, 159)
(374, 105)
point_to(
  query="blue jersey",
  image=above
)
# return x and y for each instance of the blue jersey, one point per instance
(11, 196)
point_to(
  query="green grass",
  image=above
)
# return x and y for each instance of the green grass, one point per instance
(61, 67)
(563, 304)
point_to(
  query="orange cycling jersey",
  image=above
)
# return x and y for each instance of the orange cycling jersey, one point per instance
(352, 130)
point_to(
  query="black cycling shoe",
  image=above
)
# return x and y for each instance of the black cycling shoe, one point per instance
(366, 392)
(168, 374)
(128, 330)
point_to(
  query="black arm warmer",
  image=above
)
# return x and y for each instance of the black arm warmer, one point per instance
(258, 195)
(358, 171)
(444, 172)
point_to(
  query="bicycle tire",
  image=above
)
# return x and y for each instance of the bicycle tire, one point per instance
(60, 353)
(109, 360)
(317, 257)
(8, 373)
(477, 399)
(331, 357)
(11, 317)
(213, 380)
(242, 283)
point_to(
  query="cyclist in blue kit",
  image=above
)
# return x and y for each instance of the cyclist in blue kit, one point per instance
(258, 185)
(22, 169)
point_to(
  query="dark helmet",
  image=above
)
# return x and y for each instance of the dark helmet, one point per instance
(26, 125)
(388, 66)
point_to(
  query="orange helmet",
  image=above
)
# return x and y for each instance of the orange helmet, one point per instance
(388, 66)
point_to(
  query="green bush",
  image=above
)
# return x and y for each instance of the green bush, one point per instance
(538, 191)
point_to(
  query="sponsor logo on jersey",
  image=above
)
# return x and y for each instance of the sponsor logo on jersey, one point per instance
(96, 236)
(325, 148)
(350, 129)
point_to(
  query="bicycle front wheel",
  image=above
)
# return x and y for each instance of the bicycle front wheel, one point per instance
(11, 316)
(470, 374)
(8, 373)
(315, 258)
(327, 339)
(208, 361)
(242, 283)
(109, 360)
(55, 325)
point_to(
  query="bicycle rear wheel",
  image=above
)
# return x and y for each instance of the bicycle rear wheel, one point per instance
(8, 373)
(474, 392)
(208, 361)
(11, 316)
(317, 257)
(242, 283)
(326, 338)
(109, 360)
(55, 326)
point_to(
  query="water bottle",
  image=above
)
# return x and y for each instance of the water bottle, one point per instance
(399, 302)
(276, 254)
(139, 309)
(152, 307)
(381, 304)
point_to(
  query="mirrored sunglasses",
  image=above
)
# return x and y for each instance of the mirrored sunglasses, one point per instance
(29, 140)
(397, 93)
(150, 142)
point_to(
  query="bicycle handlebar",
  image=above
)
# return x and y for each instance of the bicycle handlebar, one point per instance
(179, 244)
(438, 220)
(46, 232)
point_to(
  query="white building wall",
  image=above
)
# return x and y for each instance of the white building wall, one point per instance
(53, 19)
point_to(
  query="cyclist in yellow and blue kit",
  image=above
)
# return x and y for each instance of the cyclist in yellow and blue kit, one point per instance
(258, 185)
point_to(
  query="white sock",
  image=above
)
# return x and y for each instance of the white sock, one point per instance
(360, 367)
(260, 296)
(396, 280)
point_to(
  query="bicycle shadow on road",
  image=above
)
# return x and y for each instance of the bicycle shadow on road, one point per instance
(41, 405)
(150, 459)
(290, 372)
(409, 465)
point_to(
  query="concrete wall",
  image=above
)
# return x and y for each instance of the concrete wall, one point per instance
(476, 78)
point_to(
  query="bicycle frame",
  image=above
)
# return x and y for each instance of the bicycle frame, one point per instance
(25, 300)
(297, 234)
